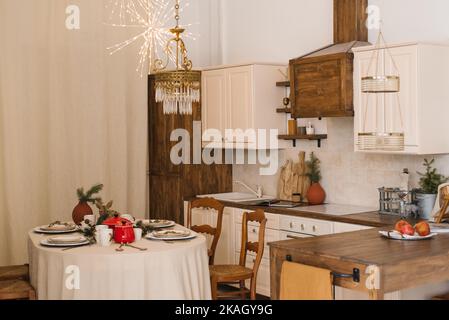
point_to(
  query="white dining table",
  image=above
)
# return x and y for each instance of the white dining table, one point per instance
(166, 271)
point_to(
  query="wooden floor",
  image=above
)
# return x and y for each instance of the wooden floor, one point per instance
(227, 288)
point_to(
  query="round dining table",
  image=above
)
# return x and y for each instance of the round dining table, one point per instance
(177, 270)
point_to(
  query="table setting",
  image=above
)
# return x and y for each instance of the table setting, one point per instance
(144, 259)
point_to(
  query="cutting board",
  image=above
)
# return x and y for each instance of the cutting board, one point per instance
(293, 179)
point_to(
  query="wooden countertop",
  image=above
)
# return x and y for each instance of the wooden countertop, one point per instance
(401, 264)
(370, 219)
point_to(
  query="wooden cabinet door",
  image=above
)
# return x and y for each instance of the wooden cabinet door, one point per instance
(401, 110)
(239, 102)
(213, 101)
(166, 198)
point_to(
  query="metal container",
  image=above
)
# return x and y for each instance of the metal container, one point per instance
(394, 201)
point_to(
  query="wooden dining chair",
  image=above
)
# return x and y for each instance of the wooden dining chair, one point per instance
(14, 283)
(14, 273)
(16, 290)
(238, 274)
(215, 232)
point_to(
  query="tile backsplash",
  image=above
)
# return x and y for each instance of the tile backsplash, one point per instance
(348, 177)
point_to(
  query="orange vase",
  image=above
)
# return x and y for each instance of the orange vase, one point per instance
(316, 194)
(81, 210)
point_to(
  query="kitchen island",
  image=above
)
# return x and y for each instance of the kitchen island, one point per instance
(384, 265)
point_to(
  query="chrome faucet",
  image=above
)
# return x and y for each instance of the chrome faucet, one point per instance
(258, 192)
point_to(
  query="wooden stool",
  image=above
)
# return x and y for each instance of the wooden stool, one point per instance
(16, 290)
(14, 273)
(443, 297)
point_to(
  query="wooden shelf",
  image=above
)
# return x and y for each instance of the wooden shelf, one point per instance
(285, 84)
(316, 137)
(284, 110)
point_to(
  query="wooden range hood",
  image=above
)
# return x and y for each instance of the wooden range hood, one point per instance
(322, 81)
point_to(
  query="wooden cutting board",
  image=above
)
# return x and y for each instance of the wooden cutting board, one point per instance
(293, 179)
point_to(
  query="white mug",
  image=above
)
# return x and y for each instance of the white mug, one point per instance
(137, 234)
(97, 232)
(105, 237)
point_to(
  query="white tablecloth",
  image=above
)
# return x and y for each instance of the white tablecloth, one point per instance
(167, 271)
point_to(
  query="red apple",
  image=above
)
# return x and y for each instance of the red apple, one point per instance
(407, 229)
(400, 224)
(422, 228)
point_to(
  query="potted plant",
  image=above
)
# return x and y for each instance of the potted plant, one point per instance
(83, 209)
(316, 194)
(427, 194)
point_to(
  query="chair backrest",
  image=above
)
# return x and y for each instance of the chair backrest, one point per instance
(256, 247)
(207, 203)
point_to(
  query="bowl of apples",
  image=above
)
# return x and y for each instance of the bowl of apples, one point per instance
(403, 230)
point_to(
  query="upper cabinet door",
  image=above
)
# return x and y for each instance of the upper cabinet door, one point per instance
(214, 100)
(401, 110)
(368, 107)
(240, 98)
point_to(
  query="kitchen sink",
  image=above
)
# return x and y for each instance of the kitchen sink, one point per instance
(235, 197)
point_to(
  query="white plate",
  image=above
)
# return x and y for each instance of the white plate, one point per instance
(39, 230)
(157, 224)
(151, 237)
(398, 236)
(66, 239)
(45, 243)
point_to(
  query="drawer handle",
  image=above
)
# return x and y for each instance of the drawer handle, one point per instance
(302, 227)
(314, 228)
(291, 225)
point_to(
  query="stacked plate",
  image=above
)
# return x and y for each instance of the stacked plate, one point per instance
(56, 228)
(171, 235)
(65, 241)
(158, 224)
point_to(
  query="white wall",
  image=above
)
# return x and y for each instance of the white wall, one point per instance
(291, 28)
(412, 20)
(274, 30)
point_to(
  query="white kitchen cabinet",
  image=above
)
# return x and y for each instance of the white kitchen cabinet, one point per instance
(224, 253)
(263, 274)
(423, 97)
(306, 226)
(242, 98)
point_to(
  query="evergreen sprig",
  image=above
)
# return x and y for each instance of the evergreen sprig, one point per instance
(89, 195)
(431, 180)
(313, 166)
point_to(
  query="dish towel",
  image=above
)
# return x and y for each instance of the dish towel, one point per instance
(301, 282)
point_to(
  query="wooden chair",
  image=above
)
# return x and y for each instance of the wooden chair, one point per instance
(16, 290)
(14, 284)
(237, 274)
(14, 273)
(207, 203)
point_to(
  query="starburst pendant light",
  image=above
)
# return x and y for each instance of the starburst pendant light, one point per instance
(176, 89)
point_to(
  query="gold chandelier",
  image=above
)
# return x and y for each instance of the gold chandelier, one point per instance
(177, 89)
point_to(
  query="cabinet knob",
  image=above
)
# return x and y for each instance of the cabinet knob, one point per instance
(302, 227)
(314, 228)
(254, 231)
(291, 225)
